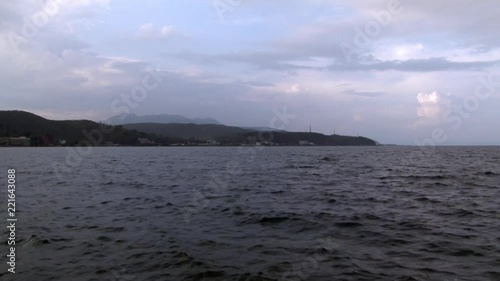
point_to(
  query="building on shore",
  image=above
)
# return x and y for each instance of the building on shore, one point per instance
(19, 141)
(145, 141)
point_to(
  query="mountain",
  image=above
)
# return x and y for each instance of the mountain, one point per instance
(160, 118)
(187, 131)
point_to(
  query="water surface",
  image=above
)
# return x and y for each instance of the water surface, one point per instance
(272, 213)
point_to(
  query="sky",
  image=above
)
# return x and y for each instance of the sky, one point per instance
(397, 71)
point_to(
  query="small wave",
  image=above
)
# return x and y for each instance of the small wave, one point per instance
(104, 238)
(114, 229)
(348, 224)
(35, 242)
(273, 220)
(467, 253)
(206, 274)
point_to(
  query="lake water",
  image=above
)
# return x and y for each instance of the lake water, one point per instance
(268, 213)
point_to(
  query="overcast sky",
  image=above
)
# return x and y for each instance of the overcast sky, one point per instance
(396, 71)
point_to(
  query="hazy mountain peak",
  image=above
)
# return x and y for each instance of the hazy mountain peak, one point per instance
(157, 118)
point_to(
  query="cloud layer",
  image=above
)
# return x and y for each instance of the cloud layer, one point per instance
(390, 70)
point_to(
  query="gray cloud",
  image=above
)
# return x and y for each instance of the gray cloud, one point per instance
(238, 73)
(422, 65)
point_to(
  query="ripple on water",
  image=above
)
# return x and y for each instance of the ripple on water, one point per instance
(315, 213)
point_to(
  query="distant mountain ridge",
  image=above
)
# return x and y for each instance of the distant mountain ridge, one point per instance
(131, 118)
(44, 132)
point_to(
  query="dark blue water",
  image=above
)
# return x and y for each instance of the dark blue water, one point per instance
(282, 213)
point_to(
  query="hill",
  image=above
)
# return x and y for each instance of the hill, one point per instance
(187, 131)
(226, 135)
(296, 138)
(50, 132)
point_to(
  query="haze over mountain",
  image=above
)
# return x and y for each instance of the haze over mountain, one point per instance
(134, 119)
(131, 118)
